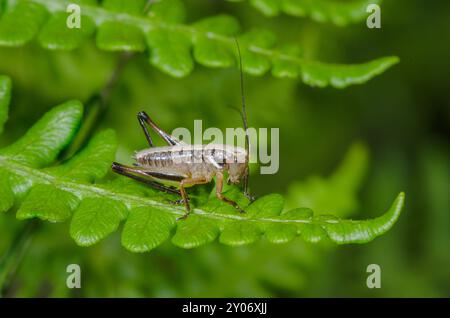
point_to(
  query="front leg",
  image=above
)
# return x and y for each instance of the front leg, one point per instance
(246, 190)
(220, 196)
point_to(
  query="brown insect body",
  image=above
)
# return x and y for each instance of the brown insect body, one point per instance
(183, 165)
(195, 161)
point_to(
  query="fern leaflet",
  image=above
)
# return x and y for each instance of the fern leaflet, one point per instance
(121, 25)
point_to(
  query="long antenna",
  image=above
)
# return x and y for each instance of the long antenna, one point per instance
(244, 111)
(244, 120)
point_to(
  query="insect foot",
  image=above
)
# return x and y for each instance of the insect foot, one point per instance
(178, 202)
(184, 216)
(250, 197)
(234, 204)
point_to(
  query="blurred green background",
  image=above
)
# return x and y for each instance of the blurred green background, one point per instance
(402, 116)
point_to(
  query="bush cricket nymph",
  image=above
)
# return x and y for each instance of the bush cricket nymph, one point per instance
(174, 167)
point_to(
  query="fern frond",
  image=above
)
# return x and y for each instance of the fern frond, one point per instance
(121, 25)
(31, 178)
(340, 13)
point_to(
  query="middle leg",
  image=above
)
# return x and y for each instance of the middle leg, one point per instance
(189, 182)
(220, 196)
(246, 189)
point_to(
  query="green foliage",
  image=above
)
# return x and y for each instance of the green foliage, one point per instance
(336, 193)
(42, 143)
(340, 13)
(56, 191)
(125, 26)
(21, 24)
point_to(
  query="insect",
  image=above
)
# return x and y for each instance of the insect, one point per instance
(175, 167)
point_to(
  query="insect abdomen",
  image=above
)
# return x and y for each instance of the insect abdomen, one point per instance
(156, 159)
(196, 154)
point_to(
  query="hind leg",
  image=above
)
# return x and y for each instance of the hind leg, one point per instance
(140, 175)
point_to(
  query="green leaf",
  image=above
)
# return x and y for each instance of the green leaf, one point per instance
(340, 13)
(5, 97)
(317, 228)
(146, 229)
(47, 203)
(55, 35)
(254, 63)
(284, 68)
(220, 24)
(240, 233)
(92, 162)
(237, 233)
(20, 24)
(71, 190)
(209, 51)
(172, 11)
(283, 233)
(96, 218)
(124, 26)
(340, 76)
(266, 206)
(125, 6)
(115, 36)
(170, 52)
(195, 231)
(118, 36)
(279, 233)
(42, 143)
(312, 233)
(268, 7)
(349, 231)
